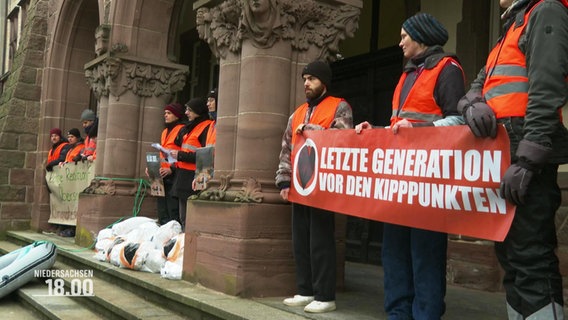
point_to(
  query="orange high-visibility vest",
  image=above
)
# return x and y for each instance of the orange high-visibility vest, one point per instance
(420, 105)
(90, 147)
(54, 154)
(507, 84)
(167, 141)
(322, 115)
(191, 144)
(74, 152)
(211, 135)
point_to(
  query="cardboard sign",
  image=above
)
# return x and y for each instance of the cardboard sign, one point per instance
(156, 182)
(65, 183)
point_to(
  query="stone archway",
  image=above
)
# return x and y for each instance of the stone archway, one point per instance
(131, 80)
(65, 93)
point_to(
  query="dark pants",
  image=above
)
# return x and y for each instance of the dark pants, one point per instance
(414, 262)
(313, 234)
(168, 206)
(532, 279)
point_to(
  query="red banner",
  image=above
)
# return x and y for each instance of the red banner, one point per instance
(435, 178)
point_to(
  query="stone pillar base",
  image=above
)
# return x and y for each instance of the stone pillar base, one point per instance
(472, 264)
(97, 212)
(245, 249)
(239, 249)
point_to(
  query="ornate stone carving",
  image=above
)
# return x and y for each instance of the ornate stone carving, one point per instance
(116, 75)
(112, 187)
(217, 194)
(251, 191)
(260, 22)
(101, 187)
(101, 39)
(219, 27)
(305, 23)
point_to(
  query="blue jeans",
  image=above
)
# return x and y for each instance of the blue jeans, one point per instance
(414, 262)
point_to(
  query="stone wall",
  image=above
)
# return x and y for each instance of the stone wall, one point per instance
(19, 117)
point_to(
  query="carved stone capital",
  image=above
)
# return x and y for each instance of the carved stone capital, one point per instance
(116, 74)
(304, 23)
(112, 187)
(247, 191)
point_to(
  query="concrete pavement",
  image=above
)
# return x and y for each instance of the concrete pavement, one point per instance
(363, 296)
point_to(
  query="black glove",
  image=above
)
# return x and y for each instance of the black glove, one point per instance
(471, 97)
(515, 182)
(481, 119)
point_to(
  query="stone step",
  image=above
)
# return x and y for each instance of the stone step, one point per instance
(34, 295)
(178, 298)
(114, 299)
(12, 308)
(110, 298)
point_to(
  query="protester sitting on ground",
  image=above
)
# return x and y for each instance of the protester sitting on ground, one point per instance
(56, 155)
(76, 145)
(59, 149)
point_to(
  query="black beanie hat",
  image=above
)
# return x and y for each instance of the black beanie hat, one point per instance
(213, 94)
(424, 28)
(320, 70)
(198, 106)
(75, 132)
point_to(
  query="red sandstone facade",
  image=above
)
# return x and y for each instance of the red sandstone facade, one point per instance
(124, 60)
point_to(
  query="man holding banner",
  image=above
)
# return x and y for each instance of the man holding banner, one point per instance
(414, 260)
(524, 86)
(313, 229)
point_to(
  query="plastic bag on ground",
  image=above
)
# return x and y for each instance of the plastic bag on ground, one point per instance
(129, 224)
(165, 233)
(171, 271)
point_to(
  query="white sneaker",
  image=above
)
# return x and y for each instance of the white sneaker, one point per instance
(320, 306)
(298, 300)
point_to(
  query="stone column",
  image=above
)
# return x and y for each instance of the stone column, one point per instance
(262, 50)
(132, 93)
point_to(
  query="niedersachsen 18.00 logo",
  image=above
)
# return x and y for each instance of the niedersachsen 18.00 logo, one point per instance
(306, 168)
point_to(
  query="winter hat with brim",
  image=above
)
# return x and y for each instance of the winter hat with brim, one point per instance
(424, 28)
(176, 109)
(198, 106)
(88, 115)
(320, 70)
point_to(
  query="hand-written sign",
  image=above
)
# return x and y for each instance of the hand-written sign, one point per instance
(65, 183)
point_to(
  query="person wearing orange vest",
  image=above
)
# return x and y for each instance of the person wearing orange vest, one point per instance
(313, 229)
(192, 136)
(168, 205)
(432, 82)
(90, 123)
(524, 86)
(76, 145)
(212, 107)
(58, 150)
(200, 181)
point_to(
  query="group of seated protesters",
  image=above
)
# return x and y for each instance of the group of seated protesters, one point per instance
(72, 148)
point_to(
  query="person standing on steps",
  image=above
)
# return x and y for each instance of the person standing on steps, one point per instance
(313, 229)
